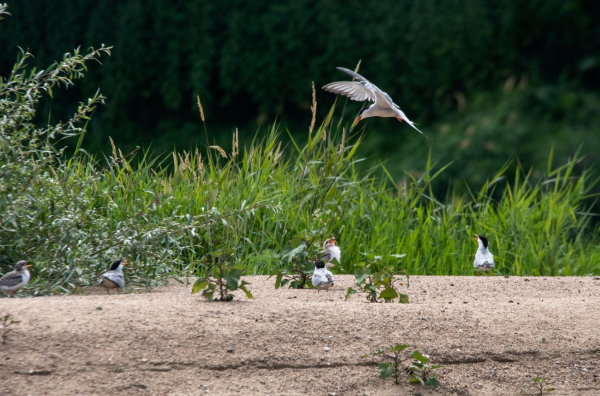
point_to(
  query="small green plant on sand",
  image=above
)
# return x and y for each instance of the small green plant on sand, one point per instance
(540, 386)
(5, 322)
(421, 371)
(395, 368)
(378, 278)
(222, 277)
(296, 265)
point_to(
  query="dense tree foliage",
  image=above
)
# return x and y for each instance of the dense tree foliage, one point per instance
(252, 61)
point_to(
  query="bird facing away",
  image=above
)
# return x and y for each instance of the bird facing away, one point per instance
(484, 260)
(361, 90)
(14, 280)
(331, 252)
(322, 279)
(114, 278)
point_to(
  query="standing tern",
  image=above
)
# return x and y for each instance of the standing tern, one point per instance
(484, 260)
(322, 279)
(361, 90)
(114, 278)
(14, 280)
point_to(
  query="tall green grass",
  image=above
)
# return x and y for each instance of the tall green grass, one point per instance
(72, 215)
(535, 227)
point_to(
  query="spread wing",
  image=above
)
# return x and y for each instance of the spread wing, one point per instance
(352, 89)
(116, 277)
(11, 280)
(358, 90)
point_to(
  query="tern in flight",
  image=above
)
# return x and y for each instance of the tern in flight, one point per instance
(361, 90)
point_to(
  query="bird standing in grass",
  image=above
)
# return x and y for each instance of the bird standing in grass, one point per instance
(114, 278)
(14, 280)
(361, 90)
(331, 252)
(322, 279)
(484, 260)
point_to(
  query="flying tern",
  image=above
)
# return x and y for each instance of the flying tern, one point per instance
(361, 90)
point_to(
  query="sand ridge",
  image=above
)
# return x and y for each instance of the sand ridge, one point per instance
(493, 334)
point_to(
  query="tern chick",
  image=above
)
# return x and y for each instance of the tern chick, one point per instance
(484, 260)
(331, 252)
(114, 278)
(322, 279)
(14, 280)
(361, 90)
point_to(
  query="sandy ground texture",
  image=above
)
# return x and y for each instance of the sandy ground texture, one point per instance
(493, 334)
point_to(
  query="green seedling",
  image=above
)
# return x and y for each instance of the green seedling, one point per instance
(297, 266)
(540, 386)
(421, 371)
(379, 280)
(5, 322)
(395, 368)
(221, 278)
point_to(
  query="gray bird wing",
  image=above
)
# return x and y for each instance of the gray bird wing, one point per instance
(326, 256)
(116, 277)
(487, 264)
(11, 280)
(358, 90)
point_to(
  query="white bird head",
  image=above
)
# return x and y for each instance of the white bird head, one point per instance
(329, 243)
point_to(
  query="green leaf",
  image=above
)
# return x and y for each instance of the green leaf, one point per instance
(295, 242)
(386, 369)
(200, 284)
(208, 294)
(248, 294)
(278, 281)
(291, 252)
(436, 367)
(416, 379)
(360, 276)
(549, 389)
(350, 292)
(403, 299)
(432, 382)
(417, 355)
(284, 282)
(399, 347)
(388, 294)
(232, 278)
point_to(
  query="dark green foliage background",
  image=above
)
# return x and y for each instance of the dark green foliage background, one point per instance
(253, 62)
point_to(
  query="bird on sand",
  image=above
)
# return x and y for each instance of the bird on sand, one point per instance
(361, 90)
(322, 279)
(484, 260)
(114, 278)
(14, 280)
(331, 252)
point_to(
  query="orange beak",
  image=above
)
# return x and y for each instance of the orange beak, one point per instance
(124, 261)
(476, 238)
(399, 119)
(357, 120)
(27, 266)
